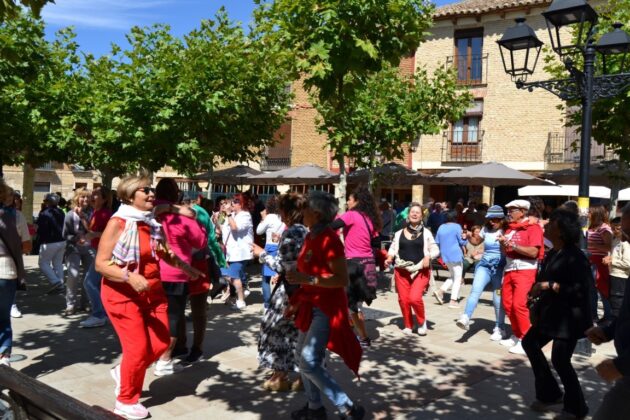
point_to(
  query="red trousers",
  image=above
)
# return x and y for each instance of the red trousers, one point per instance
(410, 293)
(141, 322)
(516, 286)
(602, 275)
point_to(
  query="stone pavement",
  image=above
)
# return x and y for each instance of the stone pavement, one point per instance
(448, 374)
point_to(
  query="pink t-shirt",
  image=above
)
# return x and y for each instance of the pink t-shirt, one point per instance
(183, 235)
(356, 234)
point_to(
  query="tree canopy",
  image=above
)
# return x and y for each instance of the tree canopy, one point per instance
(11, 9)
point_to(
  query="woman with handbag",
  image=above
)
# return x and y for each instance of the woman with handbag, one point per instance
(361, 225)
(559, 312)
(413, 247)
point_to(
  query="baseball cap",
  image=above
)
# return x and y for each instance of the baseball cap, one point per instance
(520, 204)
(52, 197)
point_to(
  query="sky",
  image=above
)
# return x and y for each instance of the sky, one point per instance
(99, 23)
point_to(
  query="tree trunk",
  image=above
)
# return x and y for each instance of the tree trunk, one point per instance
(28, 182)
(107, 177)
(343, 184)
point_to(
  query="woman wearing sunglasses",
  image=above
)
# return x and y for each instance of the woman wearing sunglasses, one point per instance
(488, 270)
(128, 257)
(413, 248)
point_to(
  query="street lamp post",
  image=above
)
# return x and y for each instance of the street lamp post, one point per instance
(520, 49)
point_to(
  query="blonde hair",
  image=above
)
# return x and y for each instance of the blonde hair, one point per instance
(128, 187)
(78, 193)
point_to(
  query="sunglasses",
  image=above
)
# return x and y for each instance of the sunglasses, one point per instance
(236, 201)
(147, 190)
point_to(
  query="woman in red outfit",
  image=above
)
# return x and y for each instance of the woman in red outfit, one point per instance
(132, 293)
(321, 310)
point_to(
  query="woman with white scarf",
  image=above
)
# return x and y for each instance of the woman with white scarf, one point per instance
(132, 293)
(412, 248)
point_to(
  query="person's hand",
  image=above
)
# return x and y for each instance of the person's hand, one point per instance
(608, 371)
(138, 282)
(295, 277)
(502, 240)
(274, 279)
(536, 290)
(607, 260)
(596, 335)
(192, 272)
(388, 262)
(426, 261)
(257, 250)
(263, 213)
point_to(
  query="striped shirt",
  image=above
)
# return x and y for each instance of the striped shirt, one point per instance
(595, 237)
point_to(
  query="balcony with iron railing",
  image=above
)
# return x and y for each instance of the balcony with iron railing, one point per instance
(471, 69)
(462, 145)
(564, 149)
(276, 158)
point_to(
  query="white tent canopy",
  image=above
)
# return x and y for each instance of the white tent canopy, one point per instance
(565, 191)
(624, 195)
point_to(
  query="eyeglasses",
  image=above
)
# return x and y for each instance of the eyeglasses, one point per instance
(513, 209)
(236, 201)
(147, 190)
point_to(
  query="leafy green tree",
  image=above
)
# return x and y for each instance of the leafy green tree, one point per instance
(10, 9)
(338, 46)
(35, 94)
(385, 114)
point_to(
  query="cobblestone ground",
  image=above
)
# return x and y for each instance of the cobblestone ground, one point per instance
(447, 374)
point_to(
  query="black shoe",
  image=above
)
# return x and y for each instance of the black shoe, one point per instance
(305, 413)
(56, 288)
(365, 342)
(179, 352)
(194, 355)
(357, 412)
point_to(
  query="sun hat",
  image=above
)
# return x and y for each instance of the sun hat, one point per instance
(495, 212)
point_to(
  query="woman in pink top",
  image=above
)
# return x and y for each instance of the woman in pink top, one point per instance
(600, 238)
(361, 224)
(184, 236)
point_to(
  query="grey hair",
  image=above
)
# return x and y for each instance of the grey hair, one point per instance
(323, 203)
(625, 211)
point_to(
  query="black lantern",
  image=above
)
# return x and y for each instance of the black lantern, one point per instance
(615, 42)
(522, 48)
(569, 12)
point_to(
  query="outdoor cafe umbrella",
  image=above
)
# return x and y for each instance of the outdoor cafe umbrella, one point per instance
(308, 174)
(230, 176)
(491, 174)
(390, 174)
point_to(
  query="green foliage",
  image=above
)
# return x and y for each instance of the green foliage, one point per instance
(611, 117)
(35, 90)
(10, 9)
(389, 111)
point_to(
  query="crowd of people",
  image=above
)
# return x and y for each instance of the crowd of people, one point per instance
(138, 265)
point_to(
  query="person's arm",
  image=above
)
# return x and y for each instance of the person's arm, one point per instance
(175, 209)
(431, 245)
(460, 237)
(623, 262)
(262, 226)
(244, 223)
(339, 278)
(107, 268)
(68, 231)
(337, 224)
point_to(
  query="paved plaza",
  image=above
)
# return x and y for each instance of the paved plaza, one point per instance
(448, 374)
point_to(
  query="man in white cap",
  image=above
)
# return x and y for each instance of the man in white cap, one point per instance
(523, 247)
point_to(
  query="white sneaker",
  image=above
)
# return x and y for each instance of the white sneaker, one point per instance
(131, 411)
(93, 322)
(463, 322)
(518, 349)
(5, 361)
(509, 342)
(246, 292)
(407, 331)
(164, 368)
(239, 305)
(115, 372)
(422, 330)
(497, 334)
(15, 312)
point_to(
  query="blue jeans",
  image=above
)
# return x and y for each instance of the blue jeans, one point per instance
(92, 286)
(266, 290)
(487, 272)
(7, 296)
(311, 349)
(595, 295)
